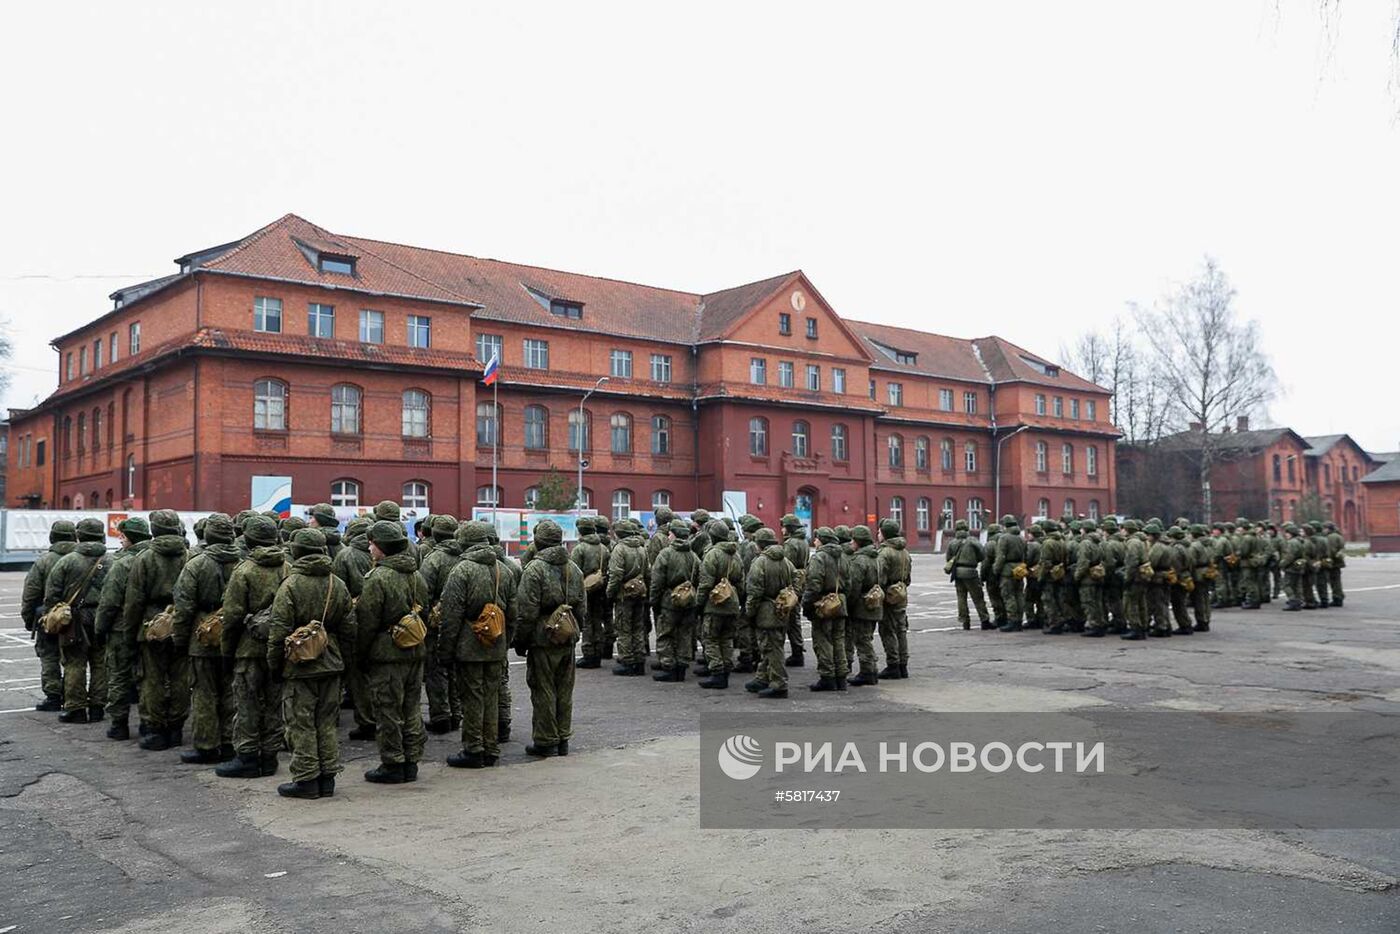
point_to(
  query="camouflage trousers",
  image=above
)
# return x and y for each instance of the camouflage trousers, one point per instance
(1309, 587)
(894, 635)
(717, 635)
(83, 660)
(675, 637)
(1091, 599)
(481, 688)
(356, 677)
(257, 703)
(121, 674)
(1035, 612)
(1293, 587)
(211, 703)
(994, 598)
(1051, 601)
(1135, 612)
(1249, 585)
(829, 646)
(970, 589)
(1263, 584)
(862, 633)
(746, 638)
(629, 625)
(794, 634)
(50, 663)
(311, 714)
(1113, 603)
(1334, 579)
(503, 702)
(440, 683)
(1158, 608)
(1012, 598)
(1200, 606)
(165, 685)
(396, 690)
(598, 633)
(1321, 582)
(549, 671)
(770, 668)
(1179, 597)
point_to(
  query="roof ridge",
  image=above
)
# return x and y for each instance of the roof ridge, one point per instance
(744, 285)
(257, 235)
(899, 327)
(421, 278)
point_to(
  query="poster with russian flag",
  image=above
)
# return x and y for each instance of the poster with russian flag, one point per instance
(493, 370)
(272, 494)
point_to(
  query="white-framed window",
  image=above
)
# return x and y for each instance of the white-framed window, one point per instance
(661, 367)
(270, 405)
(1042, 457)
(417, 411)
(970, 457)
(1059, 407)
(896, 393)
(897, 509)
(660, 434)
(532, 497)
(921, 453)
(415, 495)
(371, 326)
(267, 314)
(970, 402)
(896, 449)
(621, 504)
(1091, 460)
(583, 499)
(68, 365)
(488, 424)
(801, 438)
(130, 472)
(536, 354)
(921, 513)
(1094, 509)
(620, 429)
(974, 514)
(420, 331)
(488, 496)
(580, 437)
(840, 443)
(812, 328)
(345, 409)
(1067, 458)
(758, 437)
(1091, 410)
(838, 379)
(536, 428)
(814, 378)
(1040, 403)
(112, 347)
(488, 346)
(660, 498)
(97, 354)
(320, 320)
(949, 513)
(785, 374)
(945, 400)
(133, 338)
(1042, 508)
(784, 323)
(758, 371)
(1069, 509)
(945, 454)
(1074, 408)
(345, 493)
(620, 364)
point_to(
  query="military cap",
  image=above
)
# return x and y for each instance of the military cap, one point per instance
(1075, 525)
(492, 535)
(91, 530)
(1153, 527)
(1176, 531)
(993, 530)
(1229, 526)
(271, 514)
(663, 515)
(889, 528)
(790, 521)
(627, 527)
(1051, 525)
(1037, 531)
(323, 514)
(385, 532)
(63, 530)
(861, 534)
(717, 530)
(290, 526)
(547, 533)
(218, 527)
(134, 528)
(1290, 529)
(472, 533)
(165, 522)
(680, 530)
(444, 527)
(1009, 521)
(1109, 524)
(1218, 526)
(1089, 525)
(1132, 525)
(584, 525)
(765, 537)
(1316, 524)
(729, 523)
(387, 509)
(960, 525)
(259, 530)
(750, 523)
(843, 533)
(1199, 528)
(241, 518)
(826, 535)
(1241, 522)
(1330, 526)
(358, 526)
(1182, 521)
(199, 527)
(308, 542)
(700, 516)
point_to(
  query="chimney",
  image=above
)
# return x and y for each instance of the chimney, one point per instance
(1242, 423)
(1196, 426)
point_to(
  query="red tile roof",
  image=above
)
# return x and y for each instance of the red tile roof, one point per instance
(1007, 363)
(935, 354)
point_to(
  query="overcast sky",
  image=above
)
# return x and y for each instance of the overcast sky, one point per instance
(1020, 169)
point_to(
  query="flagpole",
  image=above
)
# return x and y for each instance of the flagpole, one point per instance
(495, 443)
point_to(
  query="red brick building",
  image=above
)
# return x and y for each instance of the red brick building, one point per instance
(1336, 464)
(353, 366)
(1383, 506)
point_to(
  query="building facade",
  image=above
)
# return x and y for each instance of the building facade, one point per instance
(354, 366)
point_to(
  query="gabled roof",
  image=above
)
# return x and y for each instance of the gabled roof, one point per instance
(1389, 472)
(1007, 363)
(1232, 441)
(720, 311)
(1319, 445)
(935, 354)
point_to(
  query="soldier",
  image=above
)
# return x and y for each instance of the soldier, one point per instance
(1202, 564)
(628, 575)
(1225, 560)
(719, 611)
(843, 538)
(1309, 576)
(658, 541)
(822, 577)
(135, 537)
(239, 521)
(863, 576)
(1336, 546)
(993, 583)
(63, 538)
(1275, 562)
(479, 580)
(504, 708)
(1111, 556)
(797, 550)
(1053, 570)
(747, 636)
(1163, 560)
(1009, 559)
(351, 565)
(199, 593)
(444, 701)
(1322, 564)
(1135, 613)
(672, 592)
(393, 591)
(1294, 561)
(699, 538)
(590, 555)
(1250, 552)
(325, 521)
(1035, 610)
(1180, 585)
(895, 575)
(1089, 575)
(165, 682)
(1069, 592)
(257, 695)
(76, 579)
(770, 574)
(963, 563)
(286, 528)
(549, 583)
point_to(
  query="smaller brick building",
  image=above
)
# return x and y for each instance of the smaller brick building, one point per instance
(1382, 487)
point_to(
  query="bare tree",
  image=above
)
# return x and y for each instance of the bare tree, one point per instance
(1210, 365)
(1115, 361)
(7, 349)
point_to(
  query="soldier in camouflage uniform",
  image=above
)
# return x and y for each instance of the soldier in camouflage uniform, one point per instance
(351, 565)
(1224, 550)
(1035, 611)
(311, 688)
(257, 696)
(675, 565)
(843, 538)
(628, 577)
(1294, 560)
(439, 670)
(823, 576)
(963, 562)
(1162, 558)
(718, 619)
(549, 582)
(1322, 564)
(658, 541)
(797, 550)
(991, 582)
(747, 636)
(1111, 556)
(863, 574)
(76, 579)
(1089, 574)
(1010, 554)
(323, 518)
(1336, 547)
(1135, 614)
(504, 709)
(769, 574)
(894, 566)
(393, 590)
(1054, 569)
(63, 537)
(1201, 559)
(1069, 593)
(479, 579)
(165, 683)
(590, 556)
(121, 642)
(1178, 593)
(199, 590)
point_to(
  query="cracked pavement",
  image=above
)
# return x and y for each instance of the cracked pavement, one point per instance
(99, 836)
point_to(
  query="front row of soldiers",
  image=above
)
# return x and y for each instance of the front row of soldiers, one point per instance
(1138, 579)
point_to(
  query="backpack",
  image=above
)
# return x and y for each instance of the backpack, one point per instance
(561, 627)
(490, 624)
(59, 620)
(161, 626)
(209, 631)
(723, 591)
(874, 598)
(683, 595)
(410, 630)
(833, 604)
(308, 643)
(593, 581)
(634, 588)
(897, 595)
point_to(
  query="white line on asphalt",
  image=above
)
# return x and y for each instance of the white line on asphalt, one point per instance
(14, 680)
(1351, 590)
(18, 710)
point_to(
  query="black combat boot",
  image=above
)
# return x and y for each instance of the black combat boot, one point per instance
(200, 756)
(155, 741)
(863, 679)
(1160, 633)
(95, 713)
(563, 748)
(756, 685)
(1132, 635)
(1009, 626)
(438, 727)
(490, 760)
(657, 666)
(841, 684)
(889, 671)
(541, 752)
(702, 669)
(327, 784)
(607, 650)
(79, 715)
(143, 728)
(268, 763)
(1203, 627)
(1184, 631)
(386, 773)
(822, 684)
(226, 752)
(718, 680)
(1337, 601)
(1094, 633)
(773, 693)
(466, 760)
(987, 625)
(503, 729)
(310, 789)
(745, 666)
(240, 767)
(624, 670)
(456, 724)
(590, 661)
(967, 624)
(1033, 624)
(410, 771)
(903, 671)
(347, 702)
(175, 737)
(120, 729)
(49, 703)
(1055, 630)
(365, 732)
(795, 660)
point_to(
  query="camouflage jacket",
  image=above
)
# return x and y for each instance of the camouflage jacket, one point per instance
(797, 550)
(825, 574)
(655, 545)
(894, 564)
(310, 592)
(862, 574)
(392, 590)
(590, 555)
(199, 590)
(548, 582)
(1052, 554)
(675, 564)
(437, 568)
(251, 589)
(32, 597)
(1090, 554)
(76, 569)
(770, 572)
(722, 560)
(477, 579)
(353, 563)
(627, 561)
(1010, 551)
(150, 585)
(113, 597)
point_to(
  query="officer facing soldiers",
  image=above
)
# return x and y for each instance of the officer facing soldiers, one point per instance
(165, 681)
(444, 702)
(549, 583)
(257, 696)
(1009, 568)
(769, 575)
(823, 576)
(63, 538)
(628, 575)
(121, 642)
(673, 577)
(719, 595)
(76, 580)
(199, 595)
(895, 576)
(590, 556)
(963, 560)
(479, 595)
(797, 550)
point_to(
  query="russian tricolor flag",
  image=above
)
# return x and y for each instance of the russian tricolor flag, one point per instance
(493, 370)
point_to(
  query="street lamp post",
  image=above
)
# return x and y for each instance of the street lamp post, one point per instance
(997, 479)
(582, 428)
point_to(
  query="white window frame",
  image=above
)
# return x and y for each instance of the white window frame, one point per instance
(621, 504)
(801, 438)
(318, 315)
(838, 380)
(343, 405)
(489, 345)
(345, 492)
(974, 513)
(787, 374)
(970, 457)
(661, 434)
(417, 413)
(414, 494)
(840, 443)
(923, 509)
(536, 353)
(758, 371)
(620, 363)
(269, 408)
(661, 367)
(420, 331)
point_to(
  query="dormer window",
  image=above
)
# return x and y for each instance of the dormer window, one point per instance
(565, 309)
(905, 357)
(341, 265)
(1041, 367)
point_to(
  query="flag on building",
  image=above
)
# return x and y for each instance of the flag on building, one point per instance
(493, 370)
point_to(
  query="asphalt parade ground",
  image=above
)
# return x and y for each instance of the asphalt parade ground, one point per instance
(100, 836)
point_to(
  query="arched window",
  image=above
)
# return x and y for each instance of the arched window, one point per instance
(974, 514)
(584, 498)
(580, 430)
(415, 495)
(111, 431)
(660, 498)
(110, 501)
(345, 409)
(1068, 511)
(896, 446)
(921, 513)
(621, 431)
(417, 410)
(950, 512)
(840, 443)
(82, 433)
(131, 476)
(488, 496)
(67, 437)
(532, 496)
(1042, 508)
(621, 504)
(488, 424)
(660, 434)
(96, 434)
(1067, 458)
(536, 428)
(270, 405)
(1091, 460)
(345, 493)
(801, 438)
(758, 437)
(1094, 509)
(1042, 457)
(921, 453)
(94, 500)
(897, 509)
(67, 503)
(78, 502)
(1278, 469)
(970, 457)
(945, 454)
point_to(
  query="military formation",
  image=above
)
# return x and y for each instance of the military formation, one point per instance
(260, 635)
(1138, 579)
